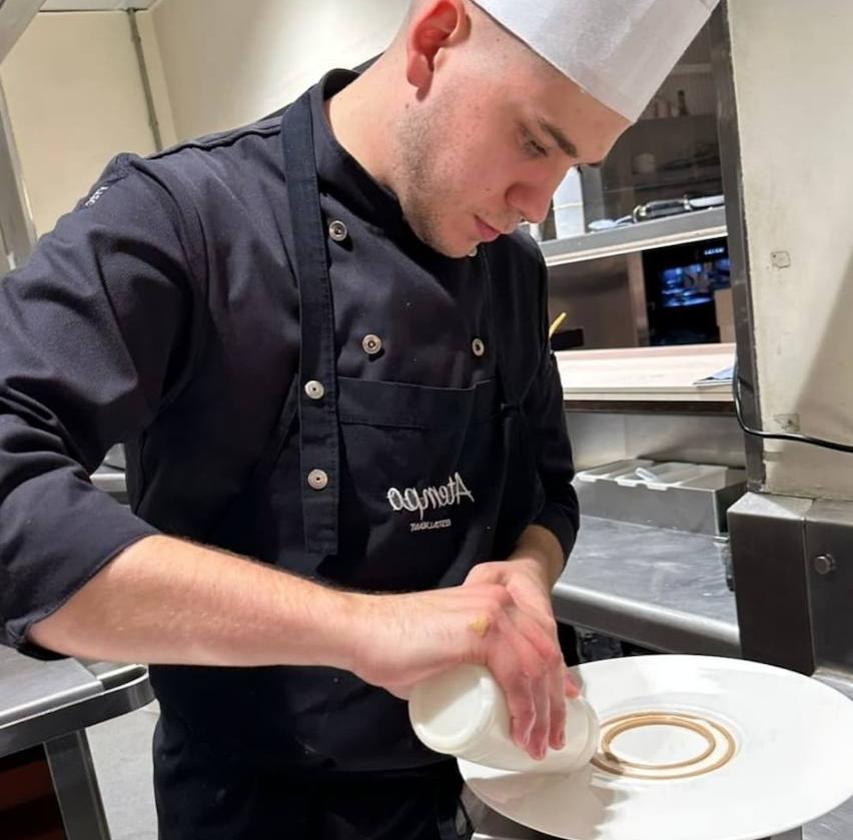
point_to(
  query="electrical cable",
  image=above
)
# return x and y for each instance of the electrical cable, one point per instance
(789, 436)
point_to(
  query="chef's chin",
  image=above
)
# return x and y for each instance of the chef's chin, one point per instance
(455, 250)
(443, 239)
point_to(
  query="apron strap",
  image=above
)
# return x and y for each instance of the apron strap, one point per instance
(509, 400)
(318, 417)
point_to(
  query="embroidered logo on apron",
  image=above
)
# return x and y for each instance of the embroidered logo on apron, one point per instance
(446, 495)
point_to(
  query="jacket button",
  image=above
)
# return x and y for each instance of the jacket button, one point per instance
(315, 390)
(478, 347)
(371, 344)
(318, 480)
(338, 231)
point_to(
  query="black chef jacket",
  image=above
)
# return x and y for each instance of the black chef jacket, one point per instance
(163, 312)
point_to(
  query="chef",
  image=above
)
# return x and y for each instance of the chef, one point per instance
(326, 349)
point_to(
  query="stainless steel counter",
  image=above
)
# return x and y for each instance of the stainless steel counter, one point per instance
(111, 480)
(29, 688)
(52, 703)
(40, 701)
(662, 589)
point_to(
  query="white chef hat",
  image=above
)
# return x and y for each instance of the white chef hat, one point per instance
(618, 51)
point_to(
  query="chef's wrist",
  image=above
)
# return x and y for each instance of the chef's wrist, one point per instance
(539, 550)
(347, 616)
(531, 568)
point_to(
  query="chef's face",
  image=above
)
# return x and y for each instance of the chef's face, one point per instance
(485, 142)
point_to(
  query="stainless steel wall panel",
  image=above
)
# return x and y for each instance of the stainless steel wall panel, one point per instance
(829, 565)
(768, 556)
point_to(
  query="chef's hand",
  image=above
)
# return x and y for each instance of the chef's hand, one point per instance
(501, 618)
(526, 579)
(403, 639)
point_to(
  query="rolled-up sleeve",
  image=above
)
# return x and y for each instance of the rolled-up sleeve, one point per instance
(95, 334)
(543, 410)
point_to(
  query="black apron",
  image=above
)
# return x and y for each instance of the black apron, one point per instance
(370, 485)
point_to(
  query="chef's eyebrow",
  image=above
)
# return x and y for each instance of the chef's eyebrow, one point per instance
(559, 138)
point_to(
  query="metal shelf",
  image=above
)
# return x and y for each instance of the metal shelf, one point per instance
(644, 236)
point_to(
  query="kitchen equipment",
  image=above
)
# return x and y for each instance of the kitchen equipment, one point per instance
(692, 748)
(675, 206)
(680, 284)
(658, 210)
(462, 712)
(671, 494)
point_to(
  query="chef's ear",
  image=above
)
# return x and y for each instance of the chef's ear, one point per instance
(436, 25)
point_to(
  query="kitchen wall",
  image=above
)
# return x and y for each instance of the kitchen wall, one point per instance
(793, 66)
(75, 91)
(75, 98)
(228, 63)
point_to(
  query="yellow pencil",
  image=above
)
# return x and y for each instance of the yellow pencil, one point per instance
(556, 325)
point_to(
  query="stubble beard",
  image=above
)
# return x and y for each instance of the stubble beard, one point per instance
(420, 185)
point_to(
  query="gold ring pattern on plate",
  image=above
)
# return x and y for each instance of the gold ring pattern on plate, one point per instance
(658, 720)
(717, 739)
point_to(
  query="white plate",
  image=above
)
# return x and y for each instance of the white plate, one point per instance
(790, 739)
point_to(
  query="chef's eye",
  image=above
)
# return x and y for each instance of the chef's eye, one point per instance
(536, 149)
(531, 146)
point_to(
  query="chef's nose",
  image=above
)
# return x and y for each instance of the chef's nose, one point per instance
(530, 202)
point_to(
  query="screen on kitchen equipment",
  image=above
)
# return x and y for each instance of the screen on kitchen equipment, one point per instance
(681, 284)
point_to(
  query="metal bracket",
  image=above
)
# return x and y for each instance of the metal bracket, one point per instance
(76, 786)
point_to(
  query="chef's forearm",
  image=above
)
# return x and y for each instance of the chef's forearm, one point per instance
(167, 601)
(540, 545)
